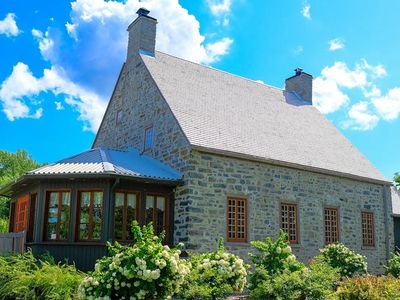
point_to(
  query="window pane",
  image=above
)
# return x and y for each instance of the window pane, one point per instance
(85, 205)
(131, 214)
(160, 211)
(149, 209)
(84, 231)
(149, 136)
(64, 215)
(118, 215)
(52, 216)
(97, 214)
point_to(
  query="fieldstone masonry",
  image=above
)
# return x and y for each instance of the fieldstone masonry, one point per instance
(200, 204)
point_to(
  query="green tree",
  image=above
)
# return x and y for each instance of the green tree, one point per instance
(13, 166)
(397, 180)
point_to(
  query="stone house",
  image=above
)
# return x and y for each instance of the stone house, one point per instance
(252, 159)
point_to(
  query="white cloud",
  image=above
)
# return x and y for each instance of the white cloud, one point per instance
(46, 44)
(219, 7)
(377, 71)
(19, 90)
(345, 77)
(59, 105)
(8, 26)
(218, 49)
(327, 97)
(178, 32)
(328, 94)
(306, 11)
(336, 44)
(388, 106)
(360, 117)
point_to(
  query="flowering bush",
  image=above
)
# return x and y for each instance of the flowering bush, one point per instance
(346, 261)
(277, 271)
(393, 267)
(214, 275)
(146, 270)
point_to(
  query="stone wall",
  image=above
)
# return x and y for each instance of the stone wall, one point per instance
(200, 205)
(142, 105)
(214, 177)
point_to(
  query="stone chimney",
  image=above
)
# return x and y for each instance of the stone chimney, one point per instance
(142, 34)
(301, 84)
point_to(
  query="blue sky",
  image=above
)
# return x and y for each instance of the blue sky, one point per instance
(60, 60)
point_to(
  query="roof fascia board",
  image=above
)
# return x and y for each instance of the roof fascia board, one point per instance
(109, 103)
(290, 165)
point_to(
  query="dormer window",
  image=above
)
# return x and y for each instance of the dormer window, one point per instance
(148, 138)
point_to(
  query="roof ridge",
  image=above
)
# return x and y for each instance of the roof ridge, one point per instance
(222, 71)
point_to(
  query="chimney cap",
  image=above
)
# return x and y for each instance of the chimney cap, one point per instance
(298, 71)
(143, 11)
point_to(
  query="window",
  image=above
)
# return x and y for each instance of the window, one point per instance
(289, 221)
(125, 212)
(367, 223)
(58, 205)
(148, 138)
(331, 219)
(90, 215)
(119, 117)
(237, 220)
(156, 212)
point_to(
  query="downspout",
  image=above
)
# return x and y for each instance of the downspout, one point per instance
(386, 216)
(111, 210)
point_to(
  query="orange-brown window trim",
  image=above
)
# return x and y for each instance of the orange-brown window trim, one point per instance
(59, 193)
(151, 198)
(91, 222)
(331, 220)
(289, 222)
(125, 225)
(236, 219)
(368, 228)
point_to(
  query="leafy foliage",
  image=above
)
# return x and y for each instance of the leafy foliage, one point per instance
(369, 288)
(393, 267)
(13, 166)
(272, 258)
(25, 277)
(214, 275)
(146, 270)
(278, 274)
(397, 180)
(345, 260)
(3, 225)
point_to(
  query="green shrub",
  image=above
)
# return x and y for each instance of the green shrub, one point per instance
(320, 281)
(25, 277)
(317, 282)
(272, 258)
(393, 267)
(342, 258)
(146, 270)
(214, 275)
(3, 225)
(369, 288)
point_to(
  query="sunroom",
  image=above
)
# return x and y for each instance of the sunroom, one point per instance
(71, 208)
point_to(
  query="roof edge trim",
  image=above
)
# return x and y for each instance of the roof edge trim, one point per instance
(291, 165)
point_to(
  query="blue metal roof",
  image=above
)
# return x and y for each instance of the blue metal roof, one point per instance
(111, 162)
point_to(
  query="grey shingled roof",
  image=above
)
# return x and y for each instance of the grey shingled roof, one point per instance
(395, 201)
(110, 162)
(232, 115)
